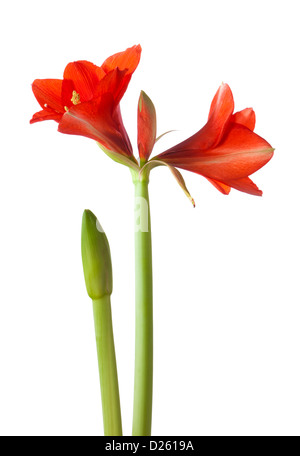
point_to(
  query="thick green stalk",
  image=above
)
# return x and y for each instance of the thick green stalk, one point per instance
(107, 367)
(143, 381)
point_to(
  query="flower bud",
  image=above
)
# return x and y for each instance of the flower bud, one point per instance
(146, 127)
(96, 257)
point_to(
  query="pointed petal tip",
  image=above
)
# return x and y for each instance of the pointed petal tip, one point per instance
(140, 103)
(136, 48)
(246, 185)
(144, 98)
(224, 86)
(144, 95)
(269, 153)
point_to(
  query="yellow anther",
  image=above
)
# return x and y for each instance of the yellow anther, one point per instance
(66, 108)
(75, 98)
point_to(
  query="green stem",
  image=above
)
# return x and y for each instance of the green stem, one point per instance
(143, 381)
(107, 367)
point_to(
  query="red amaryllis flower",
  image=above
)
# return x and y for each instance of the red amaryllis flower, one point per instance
(225, 151)
(86, 101)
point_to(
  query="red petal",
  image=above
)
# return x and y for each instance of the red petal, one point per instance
(245, 117)
(115, 82)
(243, 185)
(85, 76)
(48, 93)
(128, 60)
(146, 126)
(222, 102)
(246, 185)
(211, 134)
(97, 119)
(45, 115)
(221, 110)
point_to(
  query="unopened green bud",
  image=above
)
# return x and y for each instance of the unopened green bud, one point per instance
(96, 257)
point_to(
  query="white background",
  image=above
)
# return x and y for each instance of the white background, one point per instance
(226, 274)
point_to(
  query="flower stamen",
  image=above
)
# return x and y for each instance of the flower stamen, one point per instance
(75, 98)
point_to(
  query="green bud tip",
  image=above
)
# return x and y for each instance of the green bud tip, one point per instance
(96, 257)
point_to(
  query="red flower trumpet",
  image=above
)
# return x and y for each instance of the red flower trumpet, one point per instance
(86, 101)
(225, 151)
